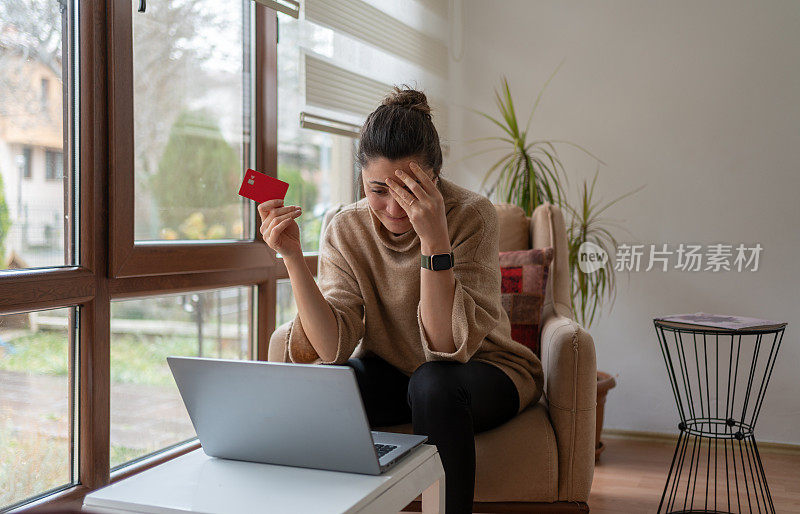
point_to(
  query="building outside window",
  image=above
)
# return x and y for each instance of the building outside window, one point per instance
(44, 92)
(54, 165)
(26, 162)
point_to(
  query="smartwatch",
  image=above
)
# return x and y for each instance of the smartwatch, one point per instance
(438, 262)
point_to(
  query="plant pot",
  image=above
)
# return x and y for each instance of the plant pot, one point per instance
(604, 383)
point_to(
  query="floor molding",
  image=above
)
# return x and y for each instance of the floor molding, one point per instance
(763, 446)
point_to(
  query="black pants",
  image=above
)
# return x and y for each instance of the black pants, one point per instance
(446, 400)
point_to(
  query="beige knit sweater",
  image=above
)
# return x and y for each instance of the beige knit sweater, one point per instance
(371, 279)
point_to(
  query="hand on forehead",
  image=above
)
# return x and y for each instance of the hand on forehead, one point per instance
(382, 167)
(406, 165)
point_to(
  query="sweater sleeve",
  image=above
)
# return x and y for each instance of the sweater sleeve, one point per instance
(476, 302)
(341, 291)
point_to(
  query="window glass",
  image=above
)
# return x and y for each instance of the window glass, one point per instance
(147, 412)
(27, 167)
(192, 119)
(54, 165)
(317, 165)
(35, 428)
(45, 92)
(34, 193)
(286, 308)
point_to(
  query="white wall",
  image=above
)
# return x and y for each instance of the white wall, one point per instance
(697, 100)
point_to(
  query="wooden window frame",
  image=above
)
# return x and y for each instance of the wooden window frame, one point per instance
(131, 259)
(111, 266)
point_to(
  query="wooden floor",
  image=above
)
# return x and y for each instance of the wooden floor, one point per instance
(631, 474)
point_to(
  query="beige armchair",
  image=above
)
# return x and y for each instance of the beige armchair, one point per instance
(543, 459)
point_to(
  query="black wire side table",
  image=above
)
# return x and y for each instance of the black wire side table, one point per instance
(719, 378)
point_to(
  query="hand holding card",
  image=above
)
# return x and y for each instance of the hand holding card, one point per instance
(278, 227)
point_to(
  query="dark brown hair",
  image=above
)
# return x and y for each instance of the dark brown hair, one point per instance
(399, 128)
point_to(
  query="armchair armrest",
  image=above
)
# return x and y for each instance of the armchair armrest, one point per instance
(278, 350)
(570, 390)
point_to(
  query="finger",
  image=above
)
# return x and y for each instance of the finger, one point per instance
(423, 176)
(288, 215)
(402, 195)
(413, 184)
(402, 201)
(267, 225)
(277, 230)
(285, 210)
(265, 207)
(269, 232)
(265, 219)
(394, 189)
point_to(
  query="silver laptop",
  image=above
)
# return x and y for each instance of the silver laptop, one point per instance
(304, 415)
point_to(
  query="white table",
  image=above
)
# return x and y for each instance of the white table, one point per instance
(195, 482)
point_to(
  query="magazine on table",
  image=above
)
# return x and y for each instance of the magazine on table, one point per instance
(718, 321)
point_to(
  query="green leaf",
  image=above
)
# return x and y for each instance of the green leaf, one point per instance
(539, 96)
(491, 138)
(505, 129)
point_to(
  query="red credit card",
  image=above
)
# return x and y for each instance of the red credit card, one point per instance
(260, 187)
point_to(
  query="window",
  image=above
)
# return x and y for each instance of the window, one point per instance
(286, 307)
(36, 398)
(54, 165)
(37, 213)
(147, 412)
(95, 290)
(45, 91)
(191, 87)
(25, 159)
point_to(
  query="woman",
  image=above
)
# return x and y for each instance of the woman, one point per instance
(436, 347)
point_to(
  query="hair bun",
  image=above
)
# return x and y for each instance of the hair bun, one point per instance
(408, 98)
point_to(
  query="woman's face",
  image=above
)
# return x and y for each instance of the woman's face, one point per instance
(373, 176)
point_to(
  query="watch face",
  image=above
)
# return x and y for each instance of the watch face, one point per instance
(440, 262)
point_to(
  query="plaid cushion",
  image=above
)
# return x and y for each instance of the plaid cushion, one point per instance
(524, 278)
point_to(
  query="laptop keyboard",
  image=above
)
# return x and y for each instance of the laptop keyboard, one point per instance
(383, 449)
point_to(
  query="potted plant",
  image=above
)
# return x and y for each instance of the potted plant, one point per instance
(531, 172)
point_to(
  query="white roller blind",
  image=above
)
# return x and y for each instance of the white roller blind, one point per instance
(329, 125)
(335, 89)
(362, 21)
